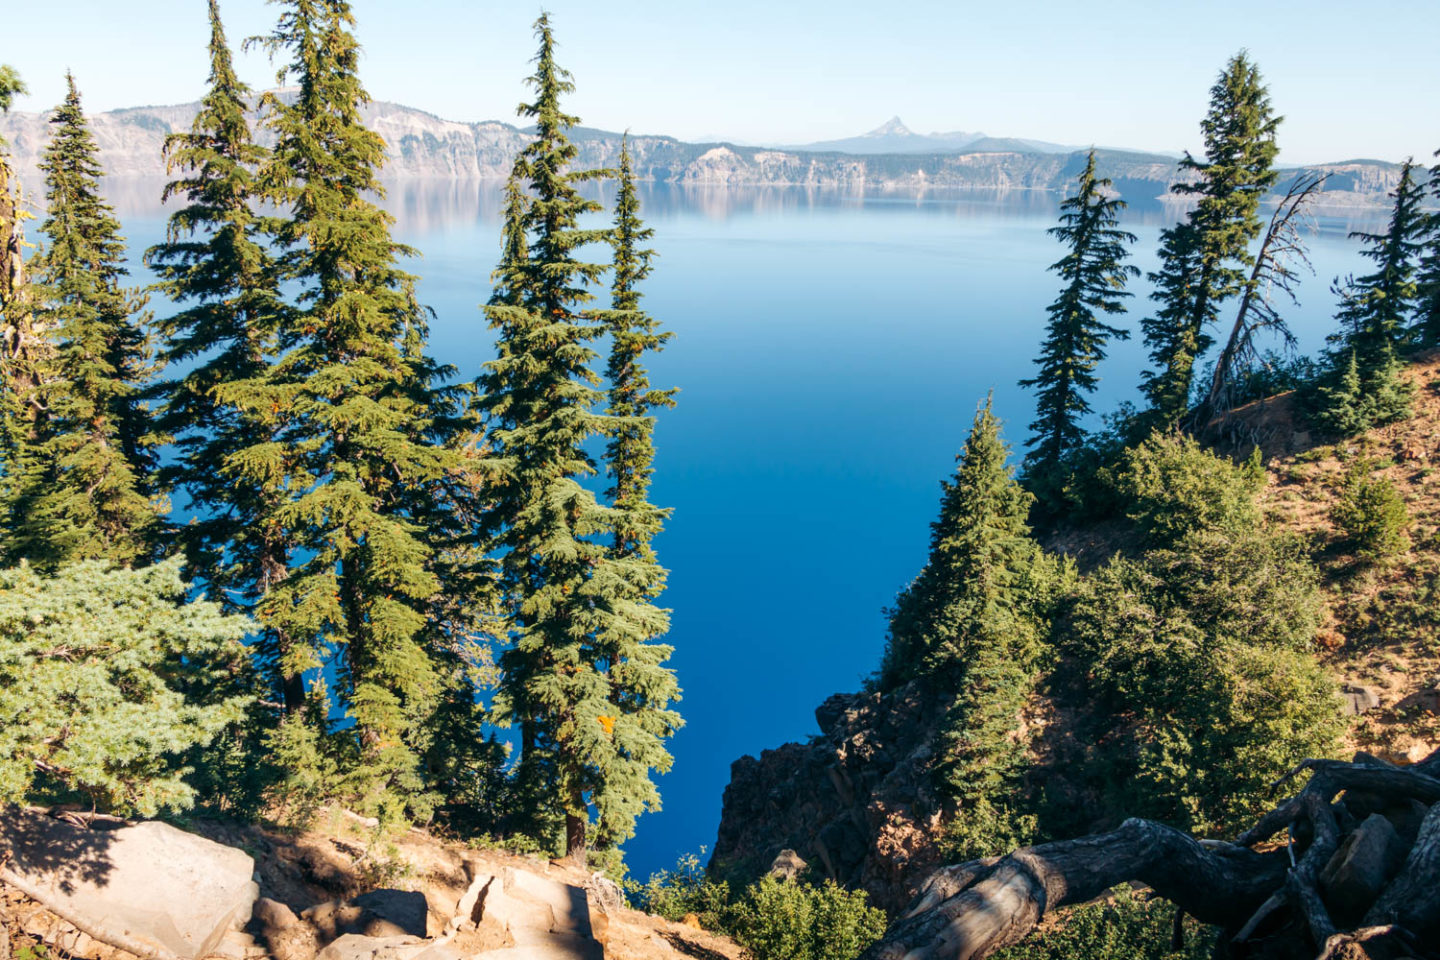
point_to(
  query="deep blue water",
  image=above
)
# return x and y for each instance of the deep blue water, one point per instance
(830, 350)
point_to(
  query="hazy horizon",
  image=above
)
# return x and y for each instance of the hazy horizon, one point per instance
(1119, 74)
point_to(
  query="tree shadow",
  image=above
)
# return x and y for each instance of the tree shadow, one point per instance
(691, 949)
(41, 852)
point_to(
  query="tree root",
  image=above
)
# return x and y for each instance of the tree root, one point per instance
(971, 910)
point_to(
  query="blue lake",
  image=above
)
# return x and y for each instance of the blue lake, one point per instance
(830, 349)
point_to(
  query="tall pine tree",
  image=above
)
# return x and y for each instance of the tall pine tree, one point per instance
(84, 486)
(1095, 276)
(359, 434)
(223, 419)
(1362, 387)
(1207, 260)
(582, 680)
(21, 345)
(641, 686)
(969, 628)
(1427, 313)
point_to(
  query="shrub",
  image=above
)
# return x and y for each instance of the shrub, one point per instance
(772, 919)
(1200, 657)
(1370, 513)
(792, 920)
(1174, 488)
(1122, 927)
(101, 674)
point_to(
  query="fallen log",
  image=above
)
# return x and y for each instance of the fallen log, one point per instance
(969, 911)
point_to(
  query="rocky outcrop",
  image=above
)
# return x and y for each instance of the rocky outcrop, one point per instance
(122, 891)
(146, 888)
(423, 146)
(854, 803)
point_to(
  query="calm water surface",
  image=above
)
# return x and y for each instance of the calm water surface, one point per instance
(830, 350)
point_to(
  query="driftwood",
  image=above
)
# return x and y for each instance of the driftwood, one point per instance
(1267, 902)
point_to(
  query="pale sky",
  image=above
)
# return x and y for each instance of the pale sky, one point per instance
(1352, 79)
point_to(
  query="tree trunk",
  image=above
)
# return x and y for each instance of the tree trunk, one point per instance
(969, 911)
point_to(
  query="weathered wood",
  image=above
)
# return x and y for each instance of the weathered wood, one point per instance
(971, 910)
(976, 909)
(1412, 899)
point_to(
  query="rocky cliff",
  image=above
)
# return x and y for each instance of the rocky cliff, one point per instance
(855, 802)
(421, 145)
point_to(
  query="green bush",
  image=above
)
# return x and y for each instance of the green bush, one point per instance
(1370, 514)
(1122, 927)
(1199, 660)
(772, 919)
(1174, 487)
(792, 920)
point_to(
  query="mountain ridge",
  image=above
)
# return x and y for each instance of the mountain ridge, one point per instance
(423, 145)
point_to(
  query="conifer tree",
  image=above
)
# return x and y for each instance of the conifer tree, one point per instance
(224, 418)
(1095, 275)
(970, 628)
(353, 380)
(1375, 314)
(641, 686)
(581, 679)
(84, 488)
(21, 345)
(1174, 340)
(1208, 260)
(1427, 313)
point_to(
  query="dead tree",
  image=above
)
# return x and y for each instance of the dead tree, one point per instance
(1276, 272)
(1267, 896)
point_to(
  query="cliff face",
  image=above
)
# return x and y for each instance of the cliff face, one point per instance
(421, 145)
(854, 802)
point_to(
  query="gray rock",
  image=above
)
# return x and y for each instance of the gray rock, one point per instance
(1357, 872)
(355, 946)
(787, 865)
(1359, 698)
(147, 888)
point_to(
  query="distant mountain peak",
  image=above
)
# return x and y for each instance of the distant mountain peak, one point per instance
(893, 127)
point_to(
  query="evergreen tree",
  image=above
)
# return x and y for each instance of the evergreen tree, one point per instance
(1174, 340)
(641, 686)
(970, 628)
(1207, 260)
(221, 414)
(1427, 313)
(358, 435)
(581, 679)
(95, 663)
(1095, 276)
(84, 487)
(1374, 316)
(21, 345)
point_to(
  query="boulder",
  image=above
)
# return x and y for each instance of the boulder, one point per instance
(1359, 698)
(355, 946)
(146, 888)
(543, 919)
(1357, 872)
(787, 865)
(284, 935)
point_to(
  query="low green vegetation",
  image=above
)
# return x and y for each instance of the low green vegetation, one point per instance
(1123, 926)
(772, 918)
(1369, 513)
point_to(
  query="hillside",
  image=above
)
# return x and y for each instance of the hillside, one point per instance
(421, 145)
(857, 803)
(343, 889)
